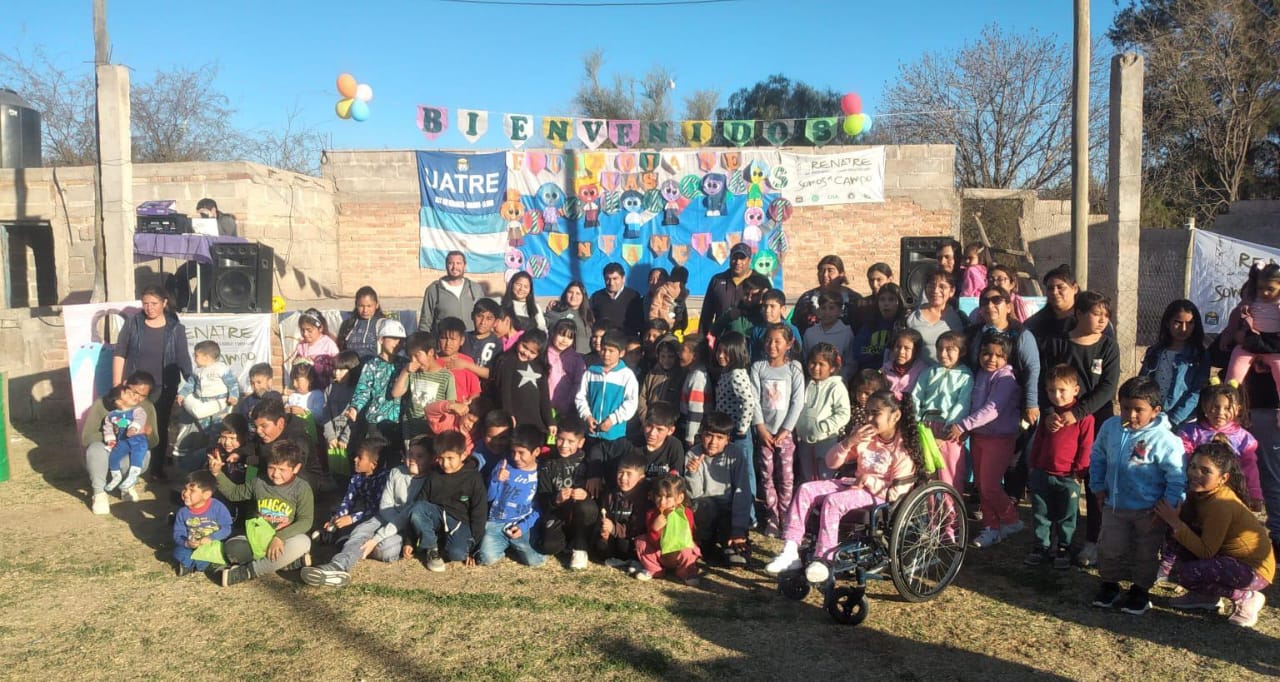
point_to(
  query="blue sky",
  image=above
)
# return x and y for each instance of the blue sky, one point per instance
(277, 55)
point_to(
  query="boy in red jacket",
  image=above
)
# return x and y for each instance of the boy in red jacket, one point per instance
(1059, 462)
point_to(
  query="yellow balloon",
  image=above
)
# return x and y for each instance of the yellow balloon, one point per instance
(277, 304)
(347, 85)
(344, 108)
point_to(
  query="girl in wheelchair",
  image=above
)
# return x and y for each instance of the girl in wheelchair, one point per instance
(877, 462)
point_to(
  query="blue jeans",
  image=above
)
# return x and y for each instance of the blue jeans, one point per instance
(495, 544)
(745, 447)
(132, 448)
(1264, 429)
(429, 520)
(182, 554)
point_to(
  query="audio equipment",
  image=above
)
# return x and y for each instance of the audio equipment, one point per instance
(240, 279)
(918, 258)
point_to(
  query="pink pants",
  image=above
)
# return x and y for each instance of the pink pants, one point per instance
(992, 456)
(777, 468)
(683, 563)
(1241, 359)
(953, 457)
(837, 498)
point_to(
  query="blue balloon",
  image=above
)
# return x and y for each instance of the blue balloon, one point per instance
(359, 111)
(866, 124)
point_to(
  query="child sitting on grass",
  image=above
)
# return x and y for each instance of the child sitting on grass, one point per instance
(452, 503)
(364, 490)
(719, 492)
(512, 494)
(668, 544)
(622, 514)
(568, 512)
(662, 451)
(201, 520)
(379, 535)
(285, 502)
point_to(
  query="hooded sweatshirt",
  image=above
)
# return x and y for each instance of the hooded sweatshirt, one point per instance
(826, 410)
(722, 477)
(1137, 467)
(993, 407)
(398, 496)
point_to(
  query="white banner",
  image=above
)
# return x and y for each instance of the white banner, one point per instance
(244, 339)
(1219, 267)
(824, 179)
(89, 357)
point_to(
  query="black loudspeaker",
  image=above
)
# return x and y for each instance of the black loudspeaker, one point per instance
(239, 281)
(917, 260)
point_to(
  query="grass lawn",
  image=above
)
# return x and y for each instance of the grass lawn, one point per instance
(95, 597)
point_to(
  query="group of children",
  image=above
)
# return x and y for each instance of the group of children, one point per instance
(653, 453)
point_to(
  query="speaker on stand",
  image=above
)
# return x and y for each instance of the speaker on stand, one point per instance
(239, 280)
(918, 258)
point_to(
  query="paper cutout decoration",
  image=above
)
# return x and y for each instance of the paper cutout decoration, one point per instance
(737, 183)
(532, 222)
(691, 186)
(626, 162)
(558, 241)
(765, 262)
(658, 133)
(778, 242)
(538, 266)
(732, 238)
(633, 204)
(610, 180)
(779, 211)
(738, 133)
(517, 128)
(612, 202)
(672, 163)
(731, 161)
(650, 161)
(670, 194)
(719, 252)
(589, 166)
(512, 212)
(552, 198)
(631, 253)
(555, 163)
(592, 131)
(707, 161)
(589, 199)
(696, 133)
(557, 130)
(624, 134)
(820, 131)
(659, 244)
(752, 230)
(584, 250)
(432, 121)
(700, 241)
(473, 124)
(754, 174)
(514, 261)
(778, 132)
(713, 186)
(608, 242)
(535, 162)
(680, 254)
(572, 209)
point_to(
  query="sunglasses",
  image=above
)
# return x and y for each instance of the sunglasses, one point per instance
(994, 300)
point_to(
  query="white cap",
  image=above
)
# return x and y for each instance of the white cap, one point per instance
(391, 328)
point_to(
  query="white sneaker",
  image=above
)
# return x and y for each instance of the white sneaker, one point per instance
(987, 538)
(131, 478)
(101, 504)
(788, 560)
(1015, 527)
(129, 494)
(643, 575)
(579, 560)
(817, 572)
(113, 480)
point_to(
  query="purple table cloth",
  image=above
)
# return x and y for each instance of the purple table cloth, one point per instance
(181, 246)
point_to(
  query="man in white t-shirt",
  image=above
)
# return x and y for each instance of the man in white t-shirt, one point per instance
(450, 296)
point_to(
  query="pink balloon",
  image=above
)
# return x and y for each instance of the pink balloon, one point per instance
(851, 104)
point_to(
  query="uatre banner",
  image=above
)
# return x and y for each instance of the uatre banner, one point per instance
(824, 179)
(1219, 267)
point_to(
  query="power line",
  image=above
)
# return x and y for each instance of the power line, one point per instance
(534, 3)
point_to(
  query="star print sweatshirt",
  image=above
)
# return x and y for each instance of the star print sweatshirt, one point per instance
(521, 388)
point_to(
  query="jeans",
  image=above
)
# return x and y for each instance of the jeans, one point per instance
(1264, 429)
(429, 519)
(569, 525)
(1055, 507)
(495, 543)
(96, 457)
(132, 448)
(387, 551)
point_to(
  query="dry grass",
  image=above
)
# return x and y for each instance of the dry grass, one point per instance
(91, 597)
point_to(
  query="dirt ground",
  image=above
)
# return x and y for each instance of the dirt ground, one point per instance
(95, 597)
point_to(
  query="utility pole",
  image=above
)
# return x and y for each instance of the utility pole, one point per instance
(1080, 146)
(101, 55)
(116, 217)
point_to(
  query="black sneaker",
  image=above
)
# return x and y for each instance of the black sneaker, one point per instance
(434, 563)
(232, 575)
(325, 575)
(1062, 559)
(1108, 595)
(183, 570)
(1038, 556)
(301, 562)
(734, 557)
(1136, 602)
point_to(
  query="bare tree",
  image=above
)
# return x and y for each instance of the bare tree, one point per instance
(65, 103)
(293, 146)
(700, 105)
(1003, 100)
(181, 116)
(1212, 98)
(647, 98)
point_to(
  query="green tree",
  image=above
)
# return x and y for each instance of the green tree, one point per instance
(778, 97)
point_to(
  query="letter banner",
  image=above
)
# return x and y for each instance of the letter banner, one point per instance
(473, 124)
(517, 128)
(820, 131)
(592, 131)
(1219, 267)
(432, 121)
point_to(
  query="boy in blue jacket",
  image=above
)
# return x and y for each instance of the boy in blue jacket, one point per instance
(606, 401)
(201, 520)
(512, 489)
(1136, 462)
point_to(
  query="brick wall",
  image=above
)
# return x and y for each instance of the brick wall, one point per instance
(377, 214)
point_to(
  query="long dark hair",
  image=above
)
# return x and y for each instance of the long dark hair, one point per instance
(907, 429)
(348, 324)
(1258, 274)
(1223, 457)
(896, 292)
(530, 301)
(1182, 305)
(583, 310)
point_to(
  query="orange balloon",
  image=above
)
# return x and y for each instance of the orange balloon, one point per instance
(347, 85)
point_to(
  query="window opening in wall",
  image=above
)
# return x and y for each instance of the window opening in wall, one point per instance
(30, 277)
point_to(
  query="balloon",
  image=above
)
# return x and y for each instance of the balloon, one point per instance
(359, 110)
(364, 92)
(277, 304)
(853, 125)
(347, 85)
(344, 108)
(866, 123)
(850, 104)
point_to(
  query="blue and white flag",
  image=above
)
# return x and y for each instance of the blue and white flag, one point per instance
(461, 195)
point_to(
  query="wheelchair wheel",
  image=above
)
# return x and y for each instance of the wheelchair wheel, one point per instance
(927, 541)
(793, 585)
(848, 605)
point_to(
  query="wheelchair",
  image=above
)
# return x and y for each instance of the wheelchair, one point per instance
(918, 540)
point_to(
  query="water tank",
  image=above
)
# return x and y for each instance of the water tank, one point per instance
(19, 132)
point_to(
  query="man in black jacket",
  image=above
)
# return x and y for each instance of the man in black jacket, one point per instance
(619, 303)
(725, 289)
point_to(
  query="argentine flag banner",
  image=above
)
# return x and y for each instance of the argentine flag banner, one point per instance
(461, 196)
